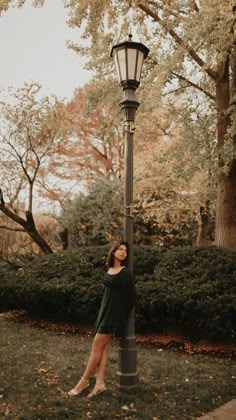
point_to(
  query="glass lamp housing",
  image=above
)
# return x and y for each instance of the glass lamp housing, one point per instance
(128, 57)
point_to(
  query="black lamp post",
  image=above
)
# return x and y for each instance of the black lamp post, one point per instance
(129, 58)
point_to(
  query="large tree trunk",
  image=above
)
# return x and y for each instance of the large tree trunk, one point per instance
(226, 209)
(226, 191)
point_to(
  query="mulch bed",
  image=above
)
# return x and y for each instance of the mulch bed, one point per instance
(163, 341)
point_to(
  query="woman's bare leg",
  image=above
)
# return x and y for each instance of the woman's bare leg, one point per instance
(100, 385)
(102, 365)
(100, 341)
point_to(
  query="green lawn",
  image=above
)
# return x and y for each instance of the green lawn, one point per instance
(38, 367)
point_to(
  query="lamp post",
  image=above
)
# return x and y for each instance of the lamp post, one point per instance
(129, 57)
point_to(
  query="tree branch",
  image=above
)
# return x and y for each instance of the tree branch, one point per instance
(10, 213)
(30, 220)
(28, 225)
(174, 91)
(12, 229)
(195, 6)
(18, 189)
(179, 40)
(190, 83)
(20, 159)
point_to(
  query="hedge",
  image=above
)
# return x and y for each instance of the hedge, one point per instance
(191, 290)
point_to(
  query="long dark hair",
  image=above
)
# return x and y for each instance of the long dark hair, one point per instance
(114, 247)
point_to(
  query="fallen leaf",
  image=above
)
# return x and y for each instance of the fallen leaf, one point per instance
(42, 370)
(7, 411)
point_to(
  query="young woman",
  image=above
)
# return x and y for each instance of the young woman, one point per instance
(118, 300)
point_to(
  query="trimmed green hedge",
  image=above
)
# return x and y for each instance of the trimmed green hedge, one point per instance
(190, 290)
(193, 290)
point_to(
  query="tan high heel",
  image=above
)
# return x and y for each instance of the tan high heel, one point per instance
(79, 388)
(98, 389)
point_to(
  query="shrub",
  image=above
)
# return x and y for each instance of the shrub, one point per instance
(189, 289)
(192, 289)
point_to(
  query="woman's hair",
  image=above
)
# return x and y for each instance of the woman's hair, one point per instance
(114, 247)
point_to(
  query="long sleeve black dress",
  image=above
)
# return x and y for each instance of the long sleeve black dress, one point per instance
(118, 300)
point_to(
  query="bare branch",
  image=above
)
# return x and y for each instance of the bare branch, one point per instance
(48, 147)
(18, 189)
(20, 159)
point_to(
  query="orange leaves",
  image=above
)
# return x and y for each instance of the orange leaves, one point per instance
(95, 145)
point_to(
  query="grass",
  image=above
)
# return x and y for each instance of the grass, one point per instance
(38, 367)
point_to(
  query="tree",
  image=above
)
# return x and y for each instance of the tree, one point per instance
(31, 131)
(192, 48)
(95, 217)
(93, 147)
(96, 145)
(14, 240)
(170, 182)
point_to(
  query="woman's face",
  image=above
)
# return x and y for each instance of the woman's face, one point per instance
(121, 253)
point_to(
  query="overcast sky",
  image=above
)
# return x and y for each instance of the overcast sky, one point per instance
(32, 48)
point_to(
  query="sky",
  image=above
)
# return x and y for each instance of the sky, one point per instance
(33, 48)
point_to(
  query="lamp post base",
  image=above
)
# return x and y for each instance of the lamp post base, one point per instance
(127, 377)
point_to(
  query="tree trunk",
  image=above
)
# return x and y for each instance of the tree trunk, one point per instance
(33, 233)
(226, 191)
(226, 209)
(203, 225)
(64, 238)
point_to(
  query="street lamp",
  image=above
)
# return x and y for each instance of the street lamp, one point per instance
(128, 57)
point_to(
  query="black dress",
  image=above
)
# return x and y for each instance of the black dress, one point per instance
(118, 300)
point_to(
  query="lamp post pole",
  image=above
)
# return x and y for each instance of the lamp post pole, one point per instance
(129, 58)
(127, 360)
(129, 106)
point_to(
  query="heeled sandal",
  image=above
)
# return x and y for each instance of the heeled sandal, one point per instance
(98, 389)
(79, 388)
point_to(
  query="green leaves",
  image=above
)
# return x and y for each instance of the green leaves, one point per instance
(188, 290)
(96, 217)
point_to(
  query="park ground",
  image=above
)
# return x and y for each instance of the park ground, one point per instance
(39, 364)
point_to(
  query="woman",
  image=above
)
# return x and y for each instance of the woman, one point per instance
(118, 300)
